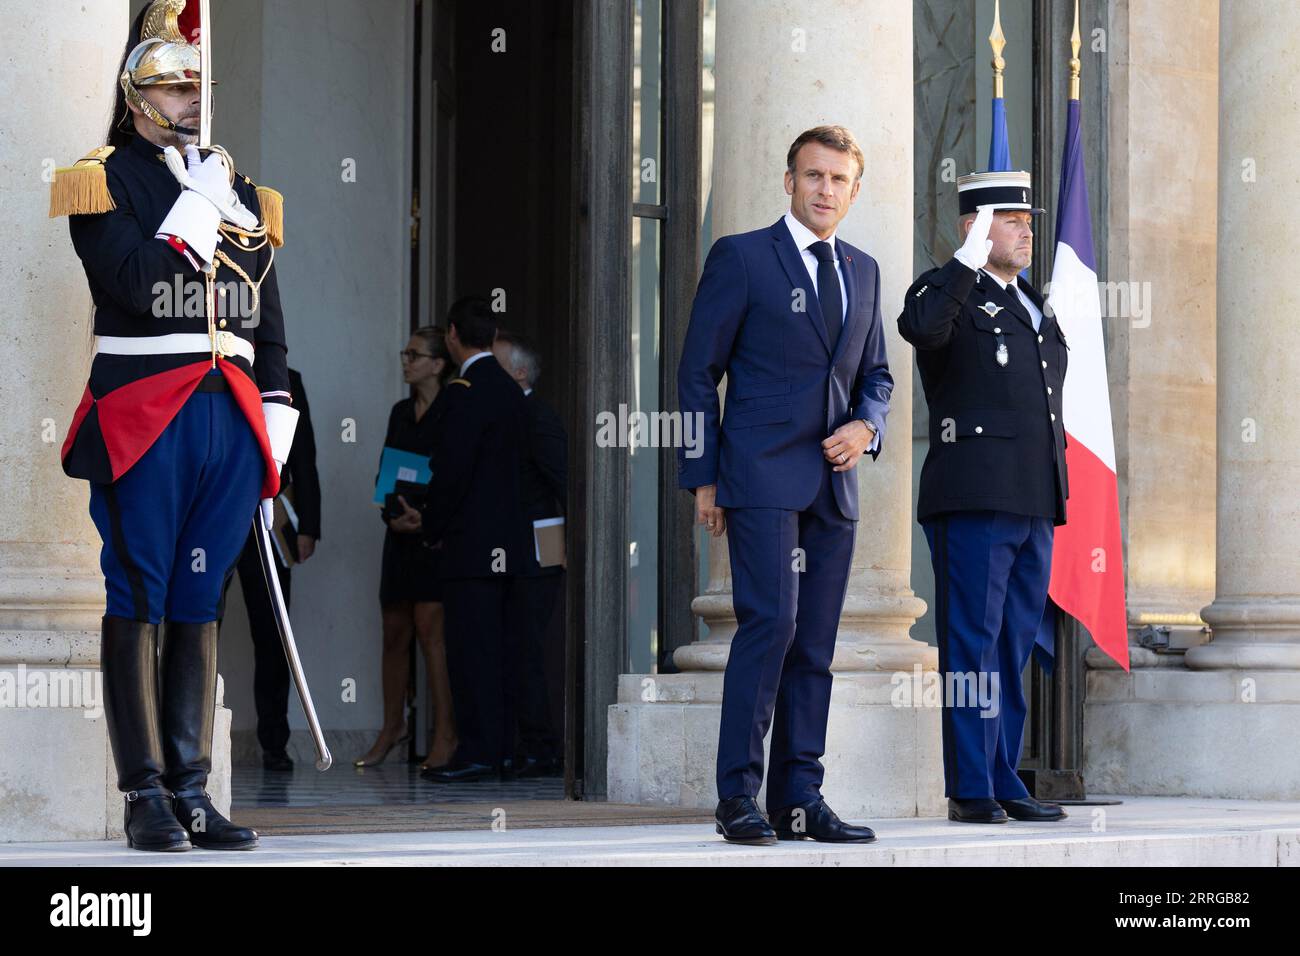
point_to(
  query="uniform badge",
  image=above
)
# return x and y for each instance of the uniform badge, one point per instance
(991, 310)
(1001, 355)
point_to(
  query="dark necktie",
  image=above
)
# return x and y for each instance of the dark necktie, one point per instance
(828, 291)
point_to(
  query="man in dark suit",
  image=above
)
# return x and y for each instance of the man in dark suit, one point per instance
(472, 513)
(270, 668)
(543, 482)
(992, 362)
(791, 315)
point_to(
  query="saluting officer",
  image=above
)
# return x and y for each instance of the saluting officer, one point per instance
(993, 485)
(185, 421)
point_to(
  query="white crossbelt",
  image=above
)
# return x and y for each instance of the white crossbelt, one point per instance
(228, 343)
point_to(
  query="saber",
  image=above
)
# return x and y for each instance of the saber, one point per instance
(205, 74)
(265, 556)
(269, 572)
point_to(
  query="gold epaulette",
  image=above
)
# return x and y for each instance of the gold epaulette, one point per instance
(272, 204)
(460, 381)
(82, 188)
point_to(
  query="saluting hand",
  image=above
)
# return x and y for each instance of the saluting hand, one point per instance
(974, 252)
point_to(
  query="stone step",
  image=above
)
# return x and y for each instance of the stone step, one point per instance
(1141, 831)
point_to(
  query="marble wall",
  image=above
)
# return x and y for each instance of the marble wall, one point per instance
(311, 93)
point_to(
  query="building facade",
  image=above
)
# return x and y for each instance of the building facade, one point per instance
(575, 159)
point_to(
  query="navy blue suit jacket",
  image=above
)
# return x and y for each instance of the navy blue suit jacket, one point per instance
(786, 392)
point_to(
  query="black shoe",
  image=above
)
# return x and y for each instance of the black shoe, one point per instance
(207, 827)
(276, 761)
(460, 772)
(128, 658)
(975, 810)
(740, 821)
(189, 703)
(1027, 808)
(816, 821)
(150, 824)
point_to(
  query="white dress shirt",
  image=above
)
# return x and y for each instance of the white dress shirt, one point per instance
(470, 361)
(1035, 316)
(805, 237)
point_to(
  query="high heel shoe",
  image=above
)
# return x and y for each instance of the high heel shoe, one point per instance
(363, 762)
(428, 764)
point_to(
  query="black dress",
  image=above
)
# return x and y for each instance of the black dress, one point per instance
(410, 569)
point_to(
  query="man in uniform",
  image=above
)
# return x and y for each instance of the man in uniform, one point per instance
(993, 486)
(184, 423)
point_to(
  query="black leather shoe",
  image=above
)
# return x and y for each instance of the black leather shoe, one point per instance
(189, 704)
(277, 761)
(975, 810)
(740, 821)
(150, 824)
(460, 772)
(1027, 808)
(128, 658)
(816, 821)
(207, 827)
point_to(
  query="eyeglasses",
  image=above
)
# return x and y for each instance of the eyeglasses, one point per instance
(410, 355)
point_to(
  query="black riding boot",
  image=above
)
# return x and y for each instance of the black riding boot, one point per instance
(189, 700)
(128, 656)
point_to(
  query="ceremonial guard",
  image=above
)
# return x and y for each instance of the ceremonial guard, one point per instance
(993, 485)
(186, 418)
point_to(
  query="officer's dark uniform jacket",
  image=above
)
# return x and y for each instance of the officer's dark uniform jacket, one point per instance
(997, 439)
(474, 505)
(130, 399)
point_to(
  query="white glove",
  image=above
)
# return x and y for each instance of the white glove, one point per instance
(268, 510)
(974, 252)
(281, 423)
(193, 219)
(210, 178)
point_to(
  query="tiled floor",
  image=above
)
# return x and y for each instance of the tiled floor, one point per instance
(386, 785)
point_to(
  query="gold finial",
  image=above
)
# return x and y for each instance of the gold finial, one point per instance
(1075, 43)
(998, 42)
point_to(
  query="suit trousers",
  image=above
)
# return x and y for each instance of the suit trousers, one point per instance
(789, 573)
(991, 571)
(474, 612)
(270, 667)
(531, 606)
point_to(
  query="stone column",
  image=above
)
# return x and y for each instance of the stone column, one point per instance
(56, 768)
(1256, 610)
(1255, 615)
(1224, 726)
(1160, 315)
(782, 67)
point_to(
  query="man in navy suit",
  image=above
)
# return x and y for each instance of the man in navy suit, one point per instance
(791, 315)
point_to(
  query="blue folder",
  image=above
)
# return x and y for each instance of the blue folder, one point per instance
(396, 465)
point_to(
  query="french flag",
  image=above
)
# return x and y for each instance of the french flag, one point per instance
(1087, 556)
